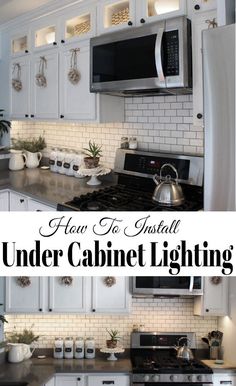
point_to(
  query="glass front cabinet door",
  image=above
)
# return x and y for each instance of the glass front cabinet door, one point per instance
(19, 43)
(45, 33)
(115, 14)
(152, 10)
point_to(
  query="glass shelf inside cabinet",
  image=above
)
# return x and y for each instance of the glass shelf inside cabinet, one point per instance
(19, 45)
(45, 36)
(160, 7)
(78, 26)
(116, 13)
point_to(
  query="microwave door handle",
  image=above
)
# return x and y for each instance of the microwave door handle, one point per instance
(158, 60)
(191, 283)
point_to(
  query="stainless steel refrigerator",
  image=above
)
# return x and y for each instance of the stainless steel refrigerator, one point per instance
(219, 118)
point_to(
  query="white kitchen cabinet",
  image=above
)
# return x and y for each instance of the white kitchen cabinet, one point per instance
(36, 206)
(114, 14)
(44, 100)
(20, 100)
(221, 379)
(20, 42)
(4, 202)
(197, 6)
(110, 299)
(76, 100)
(67, 298)
(45, 33)
(214, 300)
(51, 382)
(25, 299)
(108, 379)
(70, 380)
(1, 305)
(18, 202)
(199, 23)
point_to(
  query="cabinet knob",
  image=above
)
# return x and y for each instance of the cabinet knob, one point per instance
(26, 51)
(54, 43)
(40, 309)
(130, 22)
(50, 309)
(26, 115)
(199, 116)
(142, 21)
(22, 200)
(207, 310)
(32, 115)
(93, 310)
(62, 41)
(78, 379)
(62, 116)
(197, 7)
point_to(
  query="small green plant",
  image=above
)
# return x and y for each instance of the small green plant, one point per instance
(33, 145)
(26, 337)
(4, 125)
(114, 335)
(93, 150)
(2, 317)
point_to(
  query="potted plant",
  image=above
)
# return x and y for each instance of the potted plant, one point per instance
(16, 340)
(32, 149)
(93, 153)
(114, 338)
(3, 320)
(4, 125)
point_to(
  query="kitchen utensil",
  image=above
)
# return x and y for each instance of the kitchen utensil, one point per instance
(18, 352)
(17, 160)
(168, 192)
(184, 352)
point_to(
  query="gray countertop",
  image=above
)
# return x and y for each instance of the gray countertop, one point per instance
(47, 187)
(36, 372)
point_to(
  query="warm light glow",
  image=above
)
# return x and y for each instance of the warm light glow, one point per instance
(162, 7)
(50, 37)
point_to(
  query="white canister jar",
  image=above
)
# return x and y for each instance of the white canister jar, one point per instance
(77, 163)
(53, 160)
(79, 348)
(68, 162)
(133, 143)
(90, 348)
(58, 348)
(60, 159)
(68, 348)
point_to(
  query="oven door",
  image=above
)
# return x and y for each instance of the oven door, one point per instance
(166, 285)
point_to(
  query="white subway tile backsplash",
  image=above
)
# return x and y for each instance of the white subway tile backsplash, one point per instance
(157, 122)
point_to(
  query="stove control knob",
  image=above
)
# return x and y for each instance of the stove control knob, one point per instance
(199, 378)
(146, 378)
(156, 378)
(190, 378)
(173, 378)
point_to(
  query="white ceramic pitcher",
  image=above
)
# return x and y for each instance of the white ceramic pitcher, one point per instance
(17, 160)
(32, 159)
(17, 352)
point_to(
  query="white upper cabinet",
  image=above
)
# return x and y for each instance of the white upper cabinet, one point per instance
(20, 87)
(45, 33)
(198, 6)
(200, 22)
(110, 297)
(76, 101)
(119, 14)
(20, 42)
(45, 85)
(78, 23)
(215, 298)
(67, 294)
(24, 296)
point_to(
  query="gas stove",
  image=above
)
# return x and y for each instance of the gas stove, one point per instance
(154, 361)
(134, 190)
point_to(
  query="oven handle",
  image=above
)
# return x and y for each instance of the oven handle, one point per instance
(191, 284)
(226, 382)
(158, 60)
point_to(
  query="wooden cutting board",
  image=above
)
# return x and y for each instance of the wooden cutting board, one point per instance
(227, 365)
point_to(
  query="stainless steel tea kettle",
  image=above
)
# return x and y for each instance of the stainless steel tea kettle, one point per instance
(184, 352)
(168, 192)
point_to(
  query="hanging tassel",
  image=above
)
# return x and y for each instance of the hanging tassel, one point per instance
(73, 74)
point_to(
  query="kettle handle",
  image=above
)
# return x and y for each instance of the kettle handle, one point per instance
(155, 179)
(183, 337)
(173, 168)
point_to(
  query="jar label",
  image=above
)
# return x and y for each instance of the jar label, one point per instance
(52, 162)
(59, 163)
(90, 350)
(58, 349)
(79, 350)
(66, 165)
(68, 349)
(75, 168)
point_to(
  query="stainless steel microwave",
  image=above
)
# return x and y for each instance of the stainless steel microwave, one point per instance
(153, 59)
(166, 285)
